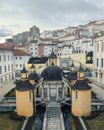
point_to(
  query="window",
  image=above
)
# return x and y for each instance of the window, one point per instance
(0, 70)
(101, 75)
(8, 67)
(6, 78)
(102, 62)
(8, 57)
(0, 57)
(11, 57)
(1, 80)
(5, 69)
(12, 67)
(4, 57)
(16, 65)
(96, 74)
(102, 46)
(30, 96)
(76, 94)
(97, 47)
(16, 58)
(20, 57)
(97, 63)
(20, 65)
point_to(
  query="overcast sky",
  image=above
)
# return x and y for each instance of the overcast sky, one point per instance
(17, 16)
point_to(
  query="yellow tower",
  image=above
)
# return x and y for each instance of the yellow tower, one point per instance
(81, 96)
(32, 68)
(25, 96)
(24, 74)
(73, 74)
(52, 59)
(72, 68)
(81, 73)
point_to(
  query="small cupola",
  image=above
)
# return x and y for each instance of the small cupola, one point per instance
(52, 58)
(24, 73)
(81, 73)
(32, 68)
(31, 78)
(72, 67)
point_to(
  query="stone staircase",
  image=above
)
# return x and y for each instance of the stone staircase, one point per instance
(53, 117)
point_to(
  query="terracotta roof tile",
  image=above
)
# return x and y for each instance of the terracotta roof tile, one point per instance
(18, 52)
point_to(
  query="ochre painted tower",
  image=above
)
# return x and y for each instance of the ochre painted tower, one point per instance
(25, 95)
(81, 96)
(52, 59)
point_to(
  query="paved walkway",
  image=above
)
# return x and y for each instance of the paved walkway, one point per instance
(98, 90)
(6, 88)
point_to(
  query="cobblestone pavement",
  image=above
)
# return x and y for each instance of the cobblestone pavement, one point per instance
(6, 88)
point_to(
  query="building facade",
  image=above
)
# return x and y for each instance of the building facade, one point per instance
(6, 65)
(98, 63)
(34, 48)
(21, 59)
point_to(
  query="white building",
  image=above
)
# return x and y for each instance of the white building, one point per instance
(82, 45)
(64, 49)
(34, 48)
(21, 58)
(48, 48)
(99, 58)
(6, 64)
(98, 63)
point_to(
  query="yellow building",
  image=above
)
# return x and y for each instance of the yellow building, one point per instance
(81, 96)
(25, 96)
(52, 59)
(53, 88)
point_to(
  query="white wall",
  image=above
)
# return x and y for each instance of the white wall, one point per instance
(7, 66)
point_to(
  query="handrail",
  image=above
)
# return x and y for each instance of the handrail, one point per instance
(62, 121)
(44, 122)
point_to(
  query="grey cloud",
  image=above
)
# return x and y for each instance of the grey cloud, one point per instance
(56, 12)
(52, 13)
(5, 32)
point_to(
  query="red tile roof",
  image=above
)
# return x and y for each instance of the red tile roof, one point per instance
(18, 52)
(34, 41)
(8, 46)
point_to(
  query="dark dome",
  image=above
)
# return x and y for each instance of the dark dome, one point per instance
(33, 76)
(52, 73)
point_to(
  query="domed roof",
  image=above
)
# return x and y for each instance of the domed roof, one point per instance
(24, 70)
(52, 73)
(33, 76)
(52, 55)
(81, 85)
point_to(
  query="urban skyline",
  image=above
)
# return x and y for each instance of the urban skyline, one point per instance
(18, 16)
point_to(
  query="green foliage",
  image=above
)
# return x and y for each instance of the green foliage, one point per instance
(73, 127)
(14, 116)
(21, 124)
(17, 81)
(11, 93)
(92, 116)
